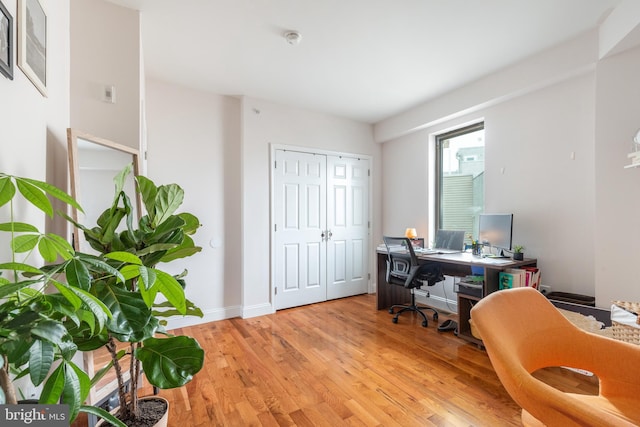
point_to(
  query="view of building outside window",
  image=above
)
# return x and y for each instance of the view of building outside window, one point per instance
(460, 184)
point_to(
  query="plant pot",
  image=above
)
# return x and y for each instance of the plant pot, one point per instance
(518, 256)
(162, 422)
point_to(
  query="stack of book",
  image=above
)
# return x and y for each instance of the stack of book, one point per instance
(519, 277)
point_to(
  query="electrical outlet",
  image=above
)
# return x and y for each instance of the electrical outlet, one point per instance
(545, 290)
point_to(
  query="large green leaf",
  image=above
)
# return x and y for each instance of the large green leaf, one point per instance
(76, 388)
(130, 313)
(85, 337)
(191, 222)
(166, 309)
(17, 351)
(168, 286)
(24, 243)
(162, 232)
(11, 288)
(109, 222)
(48, 250)
(53, 387)
(99, 309)
(127, 257)
(63, 305)
(78, 274)
(186, 249)
(148, 191)
(40, 360)
(60, 245)
(147, 289)
(170, 362)
(68, 295)
(121, 179)
(100, 266)
(7, 190)
(18, 227)
(18, 266)
(68, 349)
(35, 196)
(157, 247)
(53, 191)
(50, 330)
(168, 199)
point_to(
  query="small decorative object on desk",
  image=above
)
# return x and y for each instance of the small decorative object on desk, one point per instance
(518, 255)
(476, 247)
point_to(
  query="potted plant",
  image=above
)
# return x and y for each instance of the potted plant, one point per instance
(38, 301)
(518, 255)
(160, 236)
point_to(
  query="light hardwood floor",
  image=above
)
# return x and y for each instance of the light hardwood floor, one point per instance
(343, 363)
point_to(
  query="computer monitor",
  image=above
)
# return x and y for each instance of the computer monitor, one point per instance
(496, 230)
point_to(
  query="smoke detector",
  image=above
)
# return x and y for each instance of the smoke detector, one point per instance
(292, 37)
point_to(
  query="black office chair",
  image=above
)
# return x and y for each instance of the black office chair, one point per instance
(403, 270)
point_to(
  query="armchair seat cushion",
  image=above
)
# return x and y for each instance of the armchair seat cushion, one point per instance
(523, 332)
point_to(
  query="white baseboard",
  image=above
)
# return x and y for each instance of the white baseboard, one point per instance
(257, 310)
(209, 316)
(436, 301)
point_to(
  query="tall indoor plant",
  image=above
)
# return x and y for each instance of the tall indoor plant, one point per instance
(38, 299)
(160, 236)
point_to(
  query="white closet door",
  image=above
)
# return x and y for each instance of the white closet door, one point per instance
(348, 225)
(299, 222)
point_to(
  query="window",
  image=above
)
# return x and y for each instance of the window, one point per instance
(459, 189)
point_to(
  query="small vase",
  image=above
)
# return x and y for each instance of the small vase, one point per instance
(518, 256)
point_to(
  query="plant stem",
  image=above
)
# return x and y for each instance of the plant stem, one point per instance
(5, 383)
(122, 394)
(134, 369)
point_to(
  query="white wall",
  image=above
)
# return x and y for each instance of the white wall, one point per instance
(616, 232)
(105, 50)
(33, 127)
(194, 141)
(562, 143)
(264, 123)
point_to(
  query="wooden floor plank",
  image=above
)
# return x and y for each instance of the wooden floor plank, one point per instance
(343, 363)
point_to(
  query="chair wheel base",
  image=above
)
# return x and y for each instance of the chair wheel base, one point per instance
(391, 311)
(394, 320)
(435, 316)
(425, 323)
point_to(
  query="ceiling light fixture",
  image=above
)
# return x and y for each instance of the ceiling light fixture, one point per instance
(292, 37)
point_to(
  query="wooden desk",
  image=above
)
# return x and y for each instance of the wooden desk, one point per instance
(458, 264)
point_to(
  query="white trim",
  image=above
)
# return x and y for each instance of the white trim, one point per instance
(257, 310)
(214, 315)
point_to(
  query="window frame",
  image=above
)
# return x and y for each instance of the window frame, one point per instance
(438, 184)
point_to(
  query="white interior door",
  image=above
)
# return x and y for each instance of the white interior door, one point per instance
(348, 226)
(320, 227)
(299, 223)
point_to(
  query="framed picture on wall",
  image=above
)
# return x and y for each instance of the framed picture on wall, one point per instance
(6, 42)
(32, 42)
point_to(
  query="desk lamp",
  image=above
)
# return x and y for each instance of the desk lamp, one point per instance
(411, 233)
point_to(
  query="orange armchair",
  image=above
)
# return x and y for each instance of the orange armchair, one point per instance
(523, 332)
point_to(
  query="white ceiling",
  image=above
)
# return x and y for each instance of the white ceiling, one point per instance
(361, 59)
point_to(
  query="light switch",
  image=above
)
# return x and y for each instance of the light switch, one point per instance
(109, 94)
